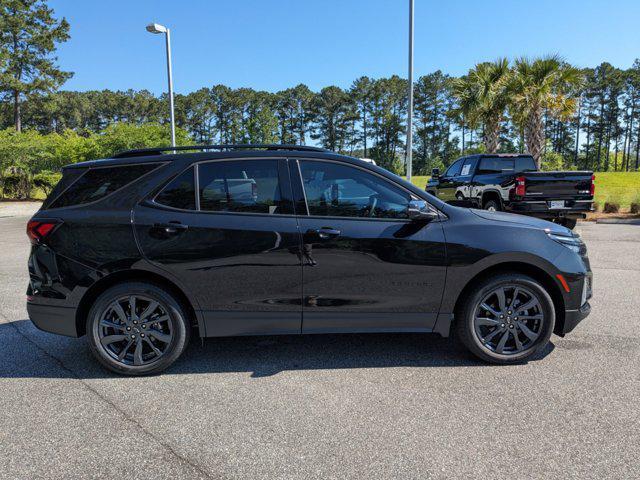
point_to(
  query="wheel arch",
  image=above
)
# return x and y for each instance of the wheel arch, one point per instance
(529, 269)
(115, 278)
(491, 195)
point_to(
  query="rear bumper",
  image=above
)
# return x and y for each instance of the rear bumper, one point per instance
(53, 319)
(573, 317)
(540, 208)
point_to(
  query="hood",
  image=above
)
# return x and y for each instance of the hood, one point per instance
(521, 220)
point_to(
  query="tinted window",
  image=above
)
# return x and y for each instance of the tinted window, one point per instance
(97, 183)
(525, 164)
(242, 186)
(496, 164)
(69, 176)
(454, 169)
(180, 192)
(337, 190)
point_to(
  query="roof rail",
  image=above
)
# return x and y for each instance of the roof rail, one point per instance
(143, 152)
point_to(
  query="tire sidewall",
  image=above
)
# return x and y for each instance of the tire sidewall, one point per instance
(546, 303)
(493, 203)
(179, 325)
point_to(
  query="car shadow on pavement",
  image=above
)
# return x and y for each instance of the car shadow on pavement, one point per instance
(262, 356)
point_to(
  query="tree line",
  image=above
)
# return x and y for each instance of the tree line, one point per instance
(587, 118)
(564, 116)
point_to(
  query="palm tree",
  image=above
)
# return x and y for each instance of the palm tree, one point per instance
(483, 97)
(541, 87)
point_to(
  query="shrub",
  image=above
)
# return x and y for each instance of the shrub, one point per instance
(611, 205)
(46, 180)
(16, 183)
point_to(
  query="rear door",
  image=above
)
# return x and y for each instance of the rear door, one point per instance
(226, 230)
(366, 266)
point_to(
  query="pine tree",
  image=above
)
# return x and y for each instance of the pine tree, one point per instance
(28, 37)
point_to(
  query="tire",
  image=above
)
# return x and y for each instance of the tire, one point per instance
(476, 328)
(162, 337)
(570, 223)
(493, 205)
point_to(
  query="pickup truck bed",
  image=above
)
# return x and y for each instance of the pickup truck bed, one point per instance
(510, 183)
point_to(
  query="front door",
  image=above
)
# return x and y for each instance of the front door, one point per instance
(233, 242)
(448, 182)
(366, 266)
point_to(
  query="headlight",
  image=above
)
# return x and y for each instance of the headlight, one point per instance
(573, 242)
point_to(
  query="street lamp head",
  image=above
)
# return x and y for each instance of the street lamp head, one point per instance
(156, 28)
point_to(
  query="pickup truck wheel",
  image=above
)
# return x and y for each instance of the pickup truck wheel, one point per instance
(492, 206)
(505, 319)
(570, 223)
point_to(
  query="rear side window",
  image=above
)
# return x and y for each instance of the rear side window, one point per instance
(179, 192)
(525, 164)
(495, 164)
(97, 183)
(246, 186)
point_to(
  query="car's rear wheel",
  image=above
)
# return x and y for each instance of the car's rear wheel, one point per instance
(506, 318)
(137, 328)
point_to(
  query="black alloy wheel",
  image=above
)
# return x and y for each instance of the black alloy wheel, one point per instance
(137, 328)
(506, 319)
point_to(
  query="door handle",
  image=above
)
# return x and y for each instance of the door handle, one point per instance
(325, 233)
(171, 228)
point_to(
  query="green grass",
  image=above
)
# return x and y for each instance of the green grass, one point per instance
(622, 187)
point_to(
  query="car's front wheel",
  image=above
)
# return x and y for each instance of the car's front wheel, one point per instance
(137, 328)
(506, 318)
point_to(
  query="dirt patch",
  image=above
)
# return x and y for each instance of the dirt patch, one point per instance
(595, 216)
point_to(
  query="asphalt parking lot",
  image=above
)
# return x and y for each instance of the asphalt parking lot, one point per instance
(335, 406)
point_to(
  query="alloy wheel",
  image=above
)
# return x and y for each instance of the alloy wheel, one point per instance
(509, 320)
(135, 330)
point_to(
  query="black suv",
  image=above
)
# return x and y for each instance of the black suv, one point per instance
(138, 250)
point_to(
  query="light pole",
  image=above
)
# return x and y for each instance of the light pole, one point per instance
(409, 155)
(157, 28)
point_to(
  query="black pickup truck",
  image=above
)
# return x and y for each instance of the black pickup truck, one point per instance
(513, 183)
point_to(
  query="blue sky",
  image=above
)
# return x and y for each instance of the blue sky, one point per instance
(275, 44)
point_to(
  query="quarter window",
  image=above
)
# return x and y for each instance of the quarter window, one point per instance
(249, 186)
(180, 192)
(337, 190)
(97, 183)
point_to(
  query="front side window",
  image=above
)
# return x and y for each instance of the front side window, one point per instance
(338, 190)
(454, 170)
(179, 192)
(97, 183)
(246, 186)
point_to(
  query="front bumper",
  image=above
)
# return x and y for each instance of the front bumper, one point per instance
(54, 319)
(573, 317)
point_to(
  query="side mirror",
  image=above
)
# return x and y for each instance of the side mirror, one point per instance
(418, 210)
(435, 173)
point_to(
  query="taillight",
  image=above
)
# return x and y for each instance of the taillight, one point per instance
(38, 230)
(521, 186)
(592, 190)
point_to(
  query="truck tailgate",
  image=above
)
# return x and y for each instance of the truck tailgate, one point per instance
(550, 185)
